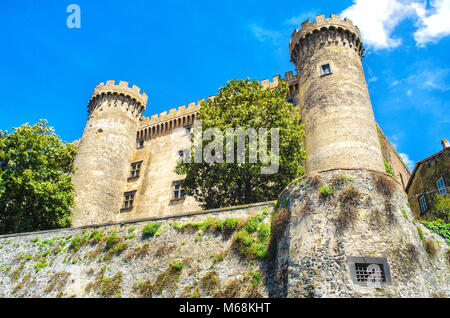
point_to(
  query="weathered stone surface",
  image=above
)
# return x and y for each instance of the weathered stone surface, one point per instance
(104, 153)
(423, 181)
(365, 216)
(340, 129)
(27, 271)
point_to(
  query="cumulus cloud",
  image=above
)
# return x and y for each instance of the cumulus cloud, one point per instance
(407, 161)
(433, 25)
(377, 20)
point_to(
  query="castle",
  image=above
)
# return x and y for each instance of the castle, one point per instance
(344, 229)
(126, 161)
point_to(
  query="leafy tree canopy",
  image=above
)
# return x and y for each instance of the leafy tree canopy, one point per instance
(36, 191)
(441, 207)
(246, 104)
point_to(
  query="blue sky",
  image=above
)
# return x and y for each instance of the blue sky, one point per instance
(180, 51)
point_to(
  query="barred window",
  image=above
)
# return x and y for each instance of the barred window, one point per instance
(369, 271)
(440, 184)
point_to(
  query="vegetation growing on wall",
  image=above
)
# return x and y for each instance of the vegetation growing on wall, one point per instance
(441, 207)
(440, 227)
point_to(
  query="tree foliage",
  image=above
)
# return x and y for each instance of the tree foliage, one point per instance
(441, 207)
(246, 104)
(36, 191)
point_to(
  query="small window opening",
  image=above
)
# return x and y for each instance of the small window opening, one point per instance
(135, 170)
(178, 192)
(128, 200)
(440, 184)
(423, 203)
(369, 271)
(326, 69)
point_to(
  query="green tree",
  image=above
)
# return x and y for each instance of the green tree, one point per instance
(246, 104)
(36, 191)
(441, 207)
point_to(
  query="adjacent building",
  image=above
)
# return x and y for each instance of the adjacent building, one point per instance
(430, 177)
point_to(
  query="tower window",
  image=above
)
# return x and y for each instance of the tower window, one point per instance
(178, 192)
(140, 144)
(423, 203)
(135, 170)
(326, 69)
(440, 184)
(128, 200)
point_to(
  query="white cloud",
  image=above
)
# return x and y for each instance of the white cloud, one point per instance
(262, 34)
(435, 24)
(377, 20)
(407, 161)
(298, 20)
(429, 78)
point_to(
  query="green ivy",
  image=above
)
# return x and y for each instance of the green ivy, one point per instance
(440, 227)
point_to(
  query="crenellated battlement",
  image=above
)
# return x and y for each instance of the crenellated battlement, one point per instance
(194, 107)
(173, 113)
(288, 77)
(110, 87)
(325, 31)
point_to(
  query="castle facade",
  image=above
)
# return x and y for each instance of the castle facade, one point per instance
(126, 161)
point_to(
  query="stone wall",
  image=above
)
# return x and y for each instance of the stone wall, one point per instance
(334, 215)
(427, 172)
(117, 260)
(390, 155)
(155, 185)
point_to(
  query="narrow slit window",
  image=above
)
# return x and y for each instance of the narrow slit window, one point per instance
(326, 69)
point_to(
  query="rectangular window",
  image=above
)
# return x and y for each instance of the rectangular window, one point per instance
(326, 69)
(140, 144)
(178, 192)
(369, 271)
(128, 200)
(423, 203)
(440, 184)
(365, 272)
(135, 170)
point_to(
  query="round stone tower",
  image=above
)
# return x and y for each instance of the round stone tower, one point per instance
(104, 151)
(333, 96)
